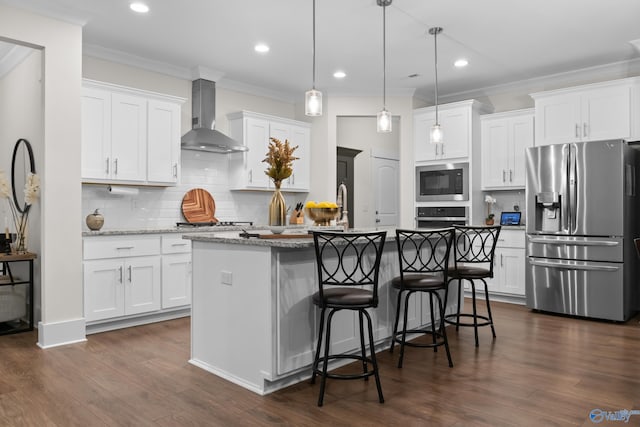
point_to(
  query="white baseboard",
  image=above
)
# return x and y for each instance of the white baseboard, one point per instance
(61, 333)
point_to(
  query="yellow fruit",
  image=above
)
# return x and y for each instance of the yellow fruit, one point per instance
(311, 204)
(333, 205)
(323, 205)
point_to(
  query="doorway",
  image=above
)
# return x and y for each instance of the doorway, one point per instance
(345, 174)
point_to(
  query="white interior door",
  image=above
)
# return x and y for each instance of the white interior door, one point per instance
(386, 181)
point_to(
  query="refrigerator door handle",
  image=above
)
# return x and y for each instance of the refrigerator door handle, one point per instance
(573, 243)
(587, 267)
(573, 189)
(630, 180)
(565, 215)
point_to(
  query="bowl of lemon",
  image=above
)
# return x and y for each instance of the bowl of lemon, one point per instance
(321, 213)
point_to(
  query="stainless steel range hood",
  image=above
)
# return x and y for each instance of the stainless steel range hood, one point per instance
(203, 136)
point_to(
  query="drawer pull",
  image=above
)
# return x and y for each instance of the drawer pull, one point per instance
(124, 247)
(178, 244)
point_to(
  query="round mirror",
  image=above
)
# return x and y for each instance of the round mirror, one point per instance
(22, 163)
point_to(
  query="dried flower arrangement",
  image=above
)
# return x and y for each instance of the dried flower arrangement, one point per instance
(31, 192)
(280, 160)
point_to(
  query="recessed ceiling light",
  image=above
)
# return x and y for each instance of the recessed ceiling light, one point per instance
(461, 63)
(139, 7)
(261, 48)
(339, 74)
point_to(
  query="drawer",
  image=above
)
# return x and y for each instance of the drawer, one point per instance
(175, 244)
(511, 239)
(120, 246)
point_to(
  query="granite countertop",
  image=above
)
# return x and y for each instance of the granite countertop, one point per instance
(175, 229)
(292, 243)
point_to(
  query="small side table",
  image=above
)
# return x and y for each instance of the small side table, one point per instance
(8, 278)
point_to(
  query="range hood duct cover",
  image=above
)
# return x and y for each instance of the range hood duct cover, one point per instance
(203, 136)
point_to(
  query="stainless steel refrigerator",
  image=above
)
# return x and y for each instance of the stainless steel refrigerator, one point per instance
(581, 217)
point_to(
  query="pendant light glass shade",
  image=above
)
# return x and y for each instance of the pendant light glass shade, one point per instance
(384, 121)
(313, 97)
(436, 136)
(384, 116)
(313, 103)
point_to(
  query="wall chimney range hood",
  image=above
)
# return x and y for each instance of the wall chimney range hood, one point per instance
(203, 136)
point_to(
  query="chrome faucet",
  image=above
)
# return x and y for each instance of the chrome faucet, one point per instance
(341, 201)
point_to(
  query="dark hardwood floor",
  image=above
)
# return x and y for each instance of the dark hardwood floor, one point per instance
(541, 370)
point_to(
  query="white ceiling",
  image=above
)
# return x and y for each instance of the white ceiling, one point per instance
(505, 41)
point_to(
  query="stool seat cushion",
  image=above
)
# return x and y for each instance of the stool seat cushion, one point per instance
(418, 282)
(469, 272)
(345, 296)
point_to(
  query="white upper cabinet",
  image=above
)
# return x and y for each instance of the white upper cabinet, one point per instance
(247, 170)
(163, 130)
(505, 138)
(456, 120)
(586, 113)
(129, 136)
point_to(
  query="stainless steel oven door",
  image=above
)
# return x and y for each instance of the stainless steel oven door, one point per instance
(581, 288)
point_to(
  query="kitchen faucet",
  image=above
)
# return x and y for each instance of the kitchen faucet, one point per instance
(341, 201)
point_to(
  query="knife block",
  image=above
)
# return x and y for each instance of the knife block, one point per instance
(295, 219)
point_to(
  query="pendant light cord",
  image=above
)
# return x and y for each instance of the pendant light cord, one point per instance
(384, 56)
(435, 42)
(314, 44)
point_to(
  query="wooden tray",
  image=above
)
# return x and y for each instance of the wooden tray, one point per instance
(285, 236)
(198, 206)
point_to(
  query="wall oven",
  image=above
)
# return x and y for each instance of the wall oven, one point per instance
(443, 182)
(441, 217)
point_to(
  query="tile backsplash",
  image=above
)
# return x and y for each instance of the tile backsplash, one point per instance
(160, 206)
(506, 200)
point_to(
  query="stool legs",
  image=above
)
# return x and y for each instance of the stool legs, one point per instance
(323, 372)
(487, 320)
(440, 329)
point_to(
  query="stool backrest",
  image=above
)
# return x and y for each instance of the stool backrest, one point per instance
(476, 244)
(349, 259)
(637, 242)
(424, 251)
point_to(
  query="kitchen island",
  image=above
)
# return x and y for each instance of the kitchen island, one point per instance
(253, 321)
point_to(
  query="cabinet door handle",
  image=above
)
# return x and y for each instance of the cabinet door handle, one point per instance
(577, 130)
(115, 166)
(250, 175)
(107, 171)
(293, 179)
(442, 149)
(504, 173)
(130, 273)
(510, 175)
(584, 129)
(120, 274)
(501, 261)
(175, 170)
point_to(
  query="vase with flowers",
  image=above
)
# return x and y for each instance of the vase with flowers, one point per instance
(20, 216)
(489, 201)
(280, 160)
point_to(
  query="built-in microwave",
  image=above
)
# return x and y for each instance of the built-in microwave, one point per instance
(443, 182)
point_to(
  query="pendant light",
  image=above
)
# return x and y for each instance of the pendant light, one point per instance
(313, 97)
(436, 130)
(384, 116)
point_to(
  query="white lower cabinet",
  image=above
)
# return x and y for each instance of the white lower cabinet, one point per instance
(176, 271)
(508, 264)
(121, 286)
(128, 276)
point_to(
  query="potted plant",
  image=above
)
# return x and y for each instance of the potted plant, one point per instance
(489, 201)
(280, 160)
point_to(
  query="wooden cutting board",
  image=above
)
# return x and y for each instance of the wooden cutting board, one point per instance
(198, 206)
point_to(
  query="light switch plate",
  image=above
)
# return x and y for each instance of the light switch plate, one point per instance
(226, 278)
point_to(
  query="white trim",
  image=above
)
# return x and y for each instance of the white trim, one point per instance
(13, 58)
(145, 319)
(61, 333)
